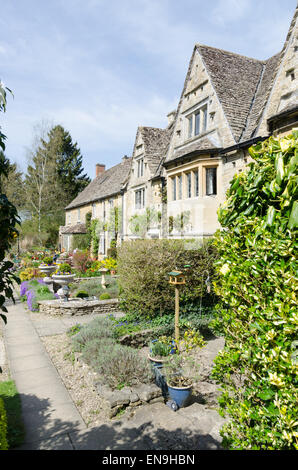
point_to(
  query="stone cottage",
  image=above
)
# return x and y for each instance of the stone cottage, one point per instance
(228, 103)
(177, 177)
(104, 199)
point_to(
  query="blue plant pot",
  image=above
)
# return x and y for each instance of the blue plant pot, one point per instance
(180, 395)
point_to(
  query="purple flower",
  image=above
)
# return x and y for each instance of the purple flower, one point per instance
(30, 301)
(23, 288)
(41, 281)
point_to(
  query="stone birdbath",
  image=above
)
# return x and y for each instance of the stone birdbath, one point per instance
(63, 276)
(103, 272)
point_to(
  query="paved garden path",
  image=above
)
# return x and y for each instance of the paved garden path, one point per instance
(51, 419)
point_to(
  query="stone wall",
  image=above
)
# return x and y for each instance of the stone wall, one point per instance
(78, 307)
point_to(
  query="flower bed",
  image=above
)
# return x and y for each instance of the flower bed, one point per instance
(33, 291)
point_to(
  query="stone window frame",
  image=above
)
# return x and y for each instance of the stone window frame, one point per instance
(140, 167)
(140, 198)
(205, 188)
(196, 126)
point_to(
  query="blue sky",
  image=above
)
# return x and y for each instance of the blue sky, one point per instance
(101, 68)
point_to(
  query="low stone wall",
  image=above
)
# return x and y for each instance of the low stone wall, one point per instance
(78, 307)
(114, 401)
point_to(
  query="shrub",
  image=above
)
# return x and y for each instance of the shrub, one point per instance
(104, 296)
(110, 264)
(97, 329)
(3, 427)
(143, 267)
(81, 261)
(258, 313)
(117, 364)
(30, 273)
(82, 294)
(48, 260)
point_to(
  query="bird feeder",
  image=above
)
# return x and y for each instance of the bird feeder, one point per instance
(177, 278)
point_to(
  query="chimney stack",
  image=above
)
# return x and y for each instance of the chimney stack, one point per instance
(125, 157)
(171, 116)
(99, 169)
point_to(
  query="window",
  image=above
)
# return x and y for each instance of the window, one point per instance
(189, 119)
(93, 209)
(179, 186)
(140, 198)
(196, 176)
(140, 167)
(79, 215)
(211, 181)
(111, 203)
(197, 122)
(188, 179)
(69, 218)
(204, 114)
(174, 189)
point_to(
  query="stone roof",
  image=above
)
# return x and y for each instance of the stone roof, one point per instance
(77, 228)
(235, 79)
(289, 109)
(201, 145)
(261, 97)
(108, 183)
(156, 142)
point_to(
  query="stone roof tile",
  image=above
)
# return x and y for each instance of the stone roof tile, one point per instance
(104, 185)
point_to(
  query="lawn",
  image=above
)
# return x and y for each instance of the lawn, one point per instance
(12, 403)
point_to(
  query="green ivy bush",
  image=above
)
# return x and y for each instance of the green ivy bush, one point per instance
(3, 427)
(257, 266)
(143, 267)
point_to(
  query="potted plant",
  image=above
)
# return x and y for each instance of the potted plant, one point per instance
(63, 275)
(181, 372)
(159, 349)
(47, 266)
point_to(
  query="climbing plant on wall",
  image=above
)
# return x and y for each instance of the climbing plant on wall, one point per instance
(257, 266)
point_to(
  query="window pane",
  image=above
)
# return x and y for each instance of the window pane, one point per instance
(180, 186)
(188, 184)
(190, 126)
(174, 188)
(204, 110)
(197, 123)
(197, 183)
(210, 181)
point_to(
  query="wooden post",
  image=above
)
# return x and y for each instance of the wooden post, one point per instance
(177, 314)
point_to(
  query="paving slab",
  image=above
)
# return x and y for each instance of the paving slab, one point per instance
(50, 422)
(61, 442)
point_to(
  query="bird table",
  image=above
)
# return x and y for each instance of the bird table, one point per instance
(177, 278)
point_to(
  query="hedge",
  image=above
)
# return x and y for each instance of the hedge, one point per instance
(257, 268)
(3, 427)
(143, 269)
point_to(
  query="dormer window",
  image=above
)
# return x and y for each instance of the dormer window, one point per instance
(197, 122)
